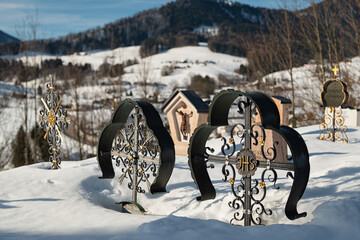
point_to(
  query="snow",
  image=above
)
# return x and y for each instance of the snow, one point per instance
(186, 61)
(190, 61)
(72, 203)
(95, 58)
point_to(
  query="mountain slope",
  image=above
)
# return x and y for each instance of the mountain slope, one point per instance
(6, 38)
(172, 25)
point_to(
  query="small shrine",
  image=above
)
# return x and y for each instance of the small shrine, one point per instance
(283, 104)
(185, 111)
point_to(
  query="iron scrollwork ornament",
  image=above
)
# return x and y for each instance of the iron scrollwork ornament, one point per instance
(136, 141)
(239, 161)
(54, 120)
(333, 128)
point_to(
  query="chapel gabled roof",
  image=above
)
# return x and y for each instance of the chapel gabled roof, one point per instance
(283, 99)
(199, 104)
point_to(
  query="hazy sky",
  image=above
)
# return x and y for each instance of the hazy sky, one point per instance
(60, 17)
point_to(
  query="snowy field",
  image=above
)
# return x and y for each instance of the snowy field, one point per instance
(72, 203)
(186, 61)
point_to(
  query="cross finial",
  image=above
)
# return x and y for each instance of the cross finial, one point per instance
(51, 79)
(335, 70)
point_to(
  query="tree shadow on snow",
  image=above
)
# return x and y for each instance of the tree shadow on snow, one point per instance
(88, 235)
(325, 153)
(4, 202)
(349, 130)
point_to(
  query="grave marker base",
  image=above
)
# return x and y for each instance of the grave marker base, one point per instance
(131, 207)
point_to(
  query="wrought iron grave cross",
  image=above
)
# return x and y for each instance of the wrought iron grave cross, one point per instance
(239, 160)
(334, 95)
(54, 120)
(142, 147)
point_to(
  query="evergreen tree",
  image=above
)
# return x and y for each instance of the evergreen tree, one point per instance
(41, 142)
(18, 147)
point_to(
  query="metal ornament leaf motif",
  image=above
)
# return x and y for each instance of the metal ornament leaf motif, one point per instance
(154, 123)
(270, 119)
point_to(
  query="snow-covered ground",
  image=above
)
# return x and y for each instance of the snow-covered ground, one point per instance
(72, 203)
(95, 58)
(184, 62)
(187, 61)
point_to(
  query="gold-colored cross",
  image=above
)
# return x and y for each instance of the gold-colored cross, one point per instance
(335, 70)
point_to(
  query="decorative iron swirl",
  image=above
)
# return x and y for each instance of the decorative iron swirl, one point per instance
(333, 128)
(258, 194)
(228, 170)
(206, 156)
(238, 131)
(272, 177)
(237, 204)
(258, 135)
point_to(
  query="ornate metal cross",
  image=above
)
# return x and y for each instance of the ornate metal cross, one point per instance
(240, 161)
(334, 95)
(136, 140)
(142, 147)
(54, 120)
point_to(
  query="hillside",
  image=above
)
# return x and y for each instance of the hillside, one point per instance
(72, 203)
(6, 38)
(175, 24)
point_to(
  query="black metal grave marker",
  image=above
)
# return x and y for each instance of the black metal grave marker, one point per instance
(334, 95)
(249, 193)
(141, 146)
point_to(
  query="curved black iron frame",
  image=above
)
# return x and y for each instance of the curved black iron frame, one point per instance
(132, 148)
(246, 191)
